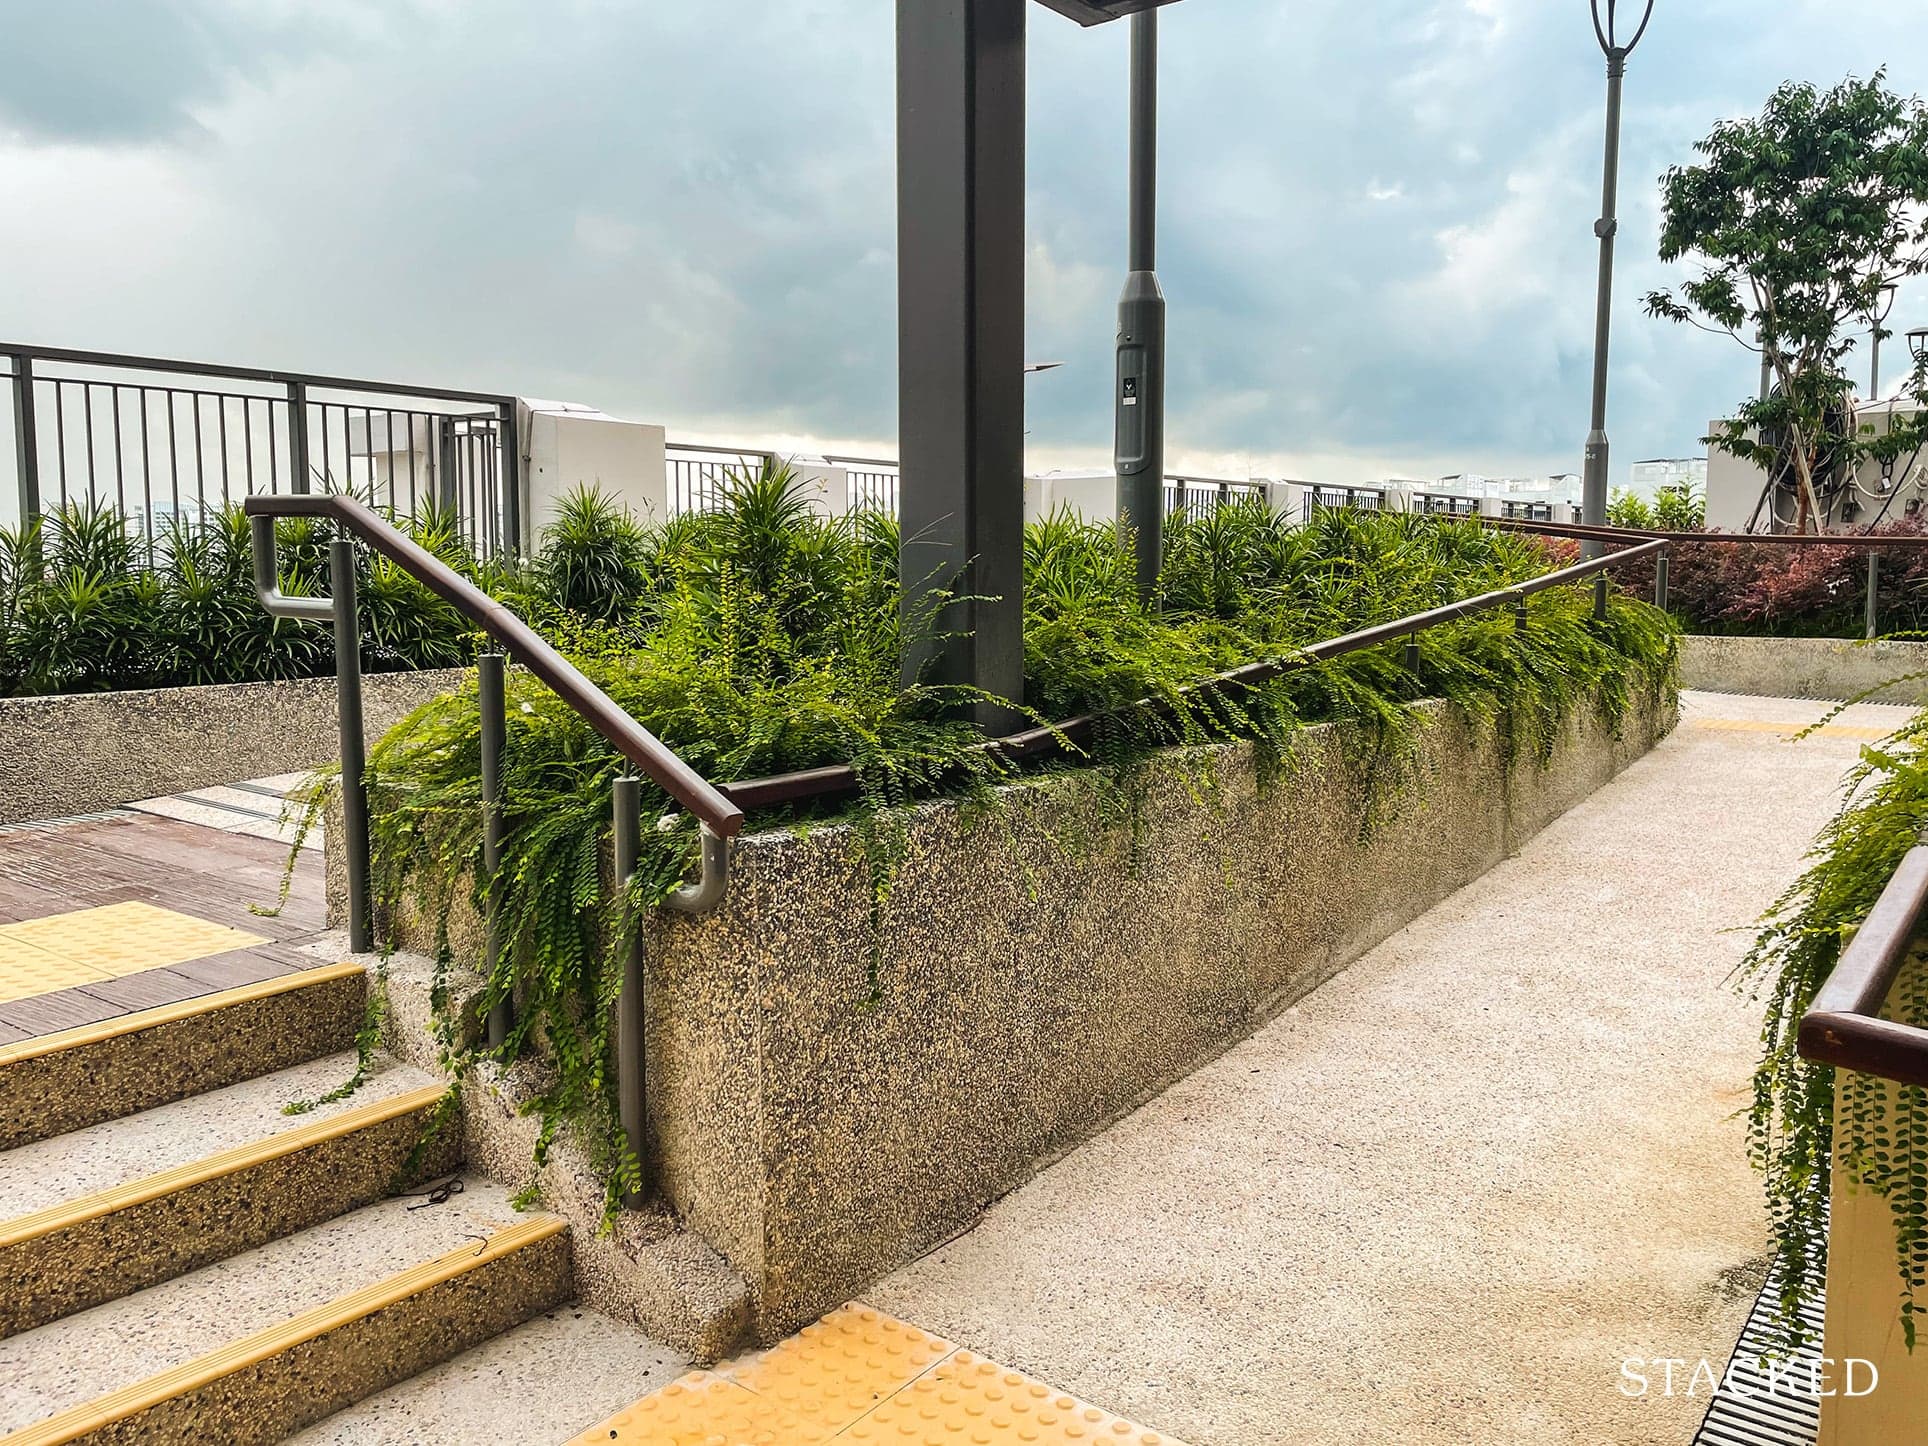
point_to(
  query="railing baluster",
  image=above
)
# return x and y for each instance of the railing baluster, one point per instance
(297, 437)
(60, 436)
(26, 437)
(490, 682)
(630, 1058)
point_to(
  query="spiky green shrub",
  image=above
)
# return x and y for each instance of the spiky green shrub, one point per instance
(85, 608)
(762, 638)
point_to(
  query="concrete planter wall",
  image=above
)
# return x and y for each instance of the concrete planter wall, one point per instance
(1804, 667)
(828, 1102)
(81, 752)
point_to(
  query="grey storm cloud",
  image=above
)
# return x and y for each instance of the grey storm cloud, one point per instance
(1376, 219)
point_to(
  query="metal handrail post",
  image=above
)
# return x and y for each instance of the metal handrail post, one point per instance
(26, 437)
(354, 761)
(1661, 581)
(490, 681)
(628, 851)
(1874, 594)
(511, 439)
(298, 480)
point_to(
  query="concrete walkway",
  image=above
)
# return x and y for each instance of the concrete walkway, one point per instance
(1447, 1195)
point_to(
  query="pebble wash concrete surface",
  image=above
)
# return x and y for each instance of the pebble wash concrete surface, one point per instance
(1445, 1196)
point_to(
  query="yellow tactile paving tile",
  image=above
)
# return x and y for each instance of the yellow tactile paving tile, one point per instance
(1764, 725)
(701, 1409)
(26, 971)
(857, 1376)
(59, 951)
(833, 1371)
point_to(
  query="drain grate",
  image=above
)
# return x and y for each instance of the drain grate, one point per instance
(1749, 1409)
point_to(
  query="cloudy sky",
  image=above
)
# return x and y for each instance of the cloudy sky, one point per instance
(1376, 217)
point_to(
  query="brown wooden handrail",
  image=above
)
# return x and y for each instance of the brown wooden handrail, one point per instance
(1843, 1025)
(1589, 532)
(841, 778)
(628, 737)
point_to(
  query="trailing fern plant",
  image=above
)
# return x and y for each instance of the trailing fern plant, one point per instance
(762, 638)
(1792, 1118)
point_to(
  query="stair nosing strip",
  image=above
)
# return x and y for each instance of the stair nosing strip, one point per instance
(70, 1213)
(78, 1421)
(132, 1023)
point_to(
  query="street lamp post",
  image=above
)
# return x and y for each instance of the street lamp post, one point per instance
(1593, 495)
(1879, 318)
(1138, 421)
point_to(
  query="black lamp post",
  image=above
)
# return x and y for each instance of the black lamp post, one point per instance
(1593, 494)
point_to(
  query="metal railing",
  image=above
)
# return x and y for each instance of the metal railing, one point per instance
(697, 473)
(720, 819)
(838, 779)
(1872, 544)
(1199, 497)
(1445, 504)
(1362, 499)
(160, 439)
(1527, 511)
(875, 483)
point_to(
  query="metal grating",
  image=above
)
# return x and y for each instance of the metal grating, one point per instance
(1744, 1412)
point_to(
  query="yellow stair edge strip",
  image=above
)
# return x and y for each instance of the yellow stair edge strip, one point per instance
(77, 1421)
(106, 1029)
(229, 1162)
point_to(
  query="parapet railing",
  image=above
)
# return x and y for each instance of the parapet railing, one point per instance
(159, 439)
(841, 778)
(1874, 544)
(720, 819)
(1843, 1026)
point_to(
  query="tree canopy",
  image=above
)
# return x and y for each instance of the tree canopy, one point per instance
(1797, 220)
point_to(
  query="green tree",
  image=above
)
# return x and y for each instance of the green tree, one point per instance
(1797, 218)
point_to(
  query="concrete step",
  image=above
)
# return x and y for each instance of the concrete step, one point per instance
(254, 1348)
(122, 1231)
(544, 1382)
(79, 1077)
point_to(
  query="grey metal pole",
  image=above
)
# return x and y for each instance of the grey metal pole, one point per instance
(26, 438)
(491, 671)
(1874, 593)
(1593, 494)
(354, 762)
(630, 1058)
(1138, 431)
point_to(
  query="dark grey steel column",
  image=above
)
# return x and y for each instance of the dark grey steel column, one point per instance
(1138, 432)
(960, 328)
(354, 762)
(26, 437)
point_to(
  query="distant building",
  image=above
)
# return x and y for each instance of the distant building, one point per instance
(1649, 477)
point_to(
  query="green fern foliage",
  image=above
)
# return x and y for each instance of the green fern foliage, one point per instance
(762, 637)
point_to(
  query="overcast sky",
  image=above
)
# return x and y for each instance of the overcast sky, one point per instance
(1376, 232)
